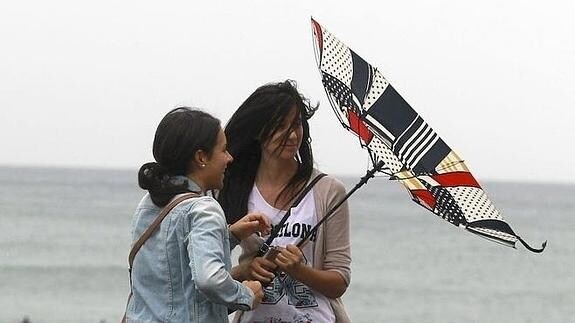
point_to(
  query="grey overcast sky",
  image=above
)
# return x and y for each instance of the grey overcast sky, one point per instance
(84, 84)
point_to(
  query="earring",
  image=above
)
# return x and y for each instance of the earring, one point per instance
(202, 165)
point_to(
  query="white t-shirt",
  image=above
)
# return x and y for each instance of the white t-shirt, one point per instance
(288, 300)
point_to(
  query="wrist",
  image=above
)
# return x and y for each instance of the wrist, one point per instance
(298, 271)
(233, 234)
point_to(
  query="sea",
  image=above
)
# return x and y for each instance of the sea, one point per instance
(65, 238)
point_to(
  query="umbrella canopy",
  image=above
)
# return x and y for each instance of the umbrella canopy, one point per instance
(395, 134)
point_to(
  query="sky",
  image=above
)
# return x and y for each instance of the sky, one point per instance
(84, 84)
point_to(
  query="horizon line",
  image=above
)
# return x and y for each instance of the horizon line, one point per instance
(343, 175)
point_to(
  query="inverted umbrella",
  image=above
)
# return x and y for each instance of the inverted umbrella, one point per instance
(412, 153)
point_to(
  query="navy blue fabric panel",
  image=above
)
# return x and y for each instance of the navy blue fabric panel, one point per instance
(407, 135)
(361, 78)
(432, 158)
(392, 111)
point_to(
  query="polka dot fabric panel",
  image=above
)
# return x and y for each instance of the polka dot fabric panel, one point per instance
(474, 203)
(378, 85)
(336, 59)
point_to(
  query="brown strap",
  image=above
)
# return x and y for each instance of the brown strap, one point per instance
(154, 226)
(124, 318)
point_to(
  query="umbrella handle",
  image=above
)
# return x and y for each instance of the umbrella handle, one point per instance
(271, 255)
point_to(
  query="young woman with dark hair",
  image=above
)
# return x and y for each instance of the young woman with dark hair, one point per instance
(182, 271)
(268, 136)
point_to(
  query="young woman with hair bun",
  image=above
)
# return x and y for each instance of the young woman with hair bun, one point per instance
(181, 273)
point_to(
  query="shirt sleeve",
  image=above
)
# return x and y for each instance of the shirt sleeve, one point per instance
(337, 240)
(207, 257)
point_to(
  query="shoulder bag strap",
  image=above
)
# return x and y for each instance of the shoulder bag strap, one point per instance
(146, 235)
(154, 226)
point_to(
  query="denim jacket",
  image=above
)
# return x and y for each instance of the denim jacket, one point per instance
(182, 272)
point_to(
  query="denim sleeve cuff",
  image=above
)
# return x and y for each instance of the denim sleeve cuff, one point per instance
(246, 300)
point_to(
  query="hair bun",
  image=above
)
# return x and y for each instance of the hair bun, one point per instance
(151, 175)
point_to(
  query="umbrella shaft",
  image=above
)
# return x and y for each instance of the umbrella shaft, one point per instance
(363, 181)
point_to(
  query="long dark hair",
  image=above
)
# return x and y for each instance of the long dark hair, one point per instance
(181, 133)
(254, 122)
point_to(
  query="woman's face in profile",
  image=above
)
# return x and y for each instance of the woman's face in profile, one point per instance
(215, 166)
(280, 146)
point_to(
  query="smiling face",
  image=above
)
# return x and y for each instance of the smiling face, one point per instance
(285, 140)
(212, 167)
